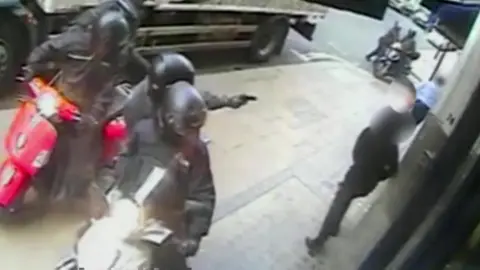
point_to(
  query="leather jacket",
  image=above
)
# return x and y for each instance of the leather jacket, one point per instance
(191, 184)
(82, 77)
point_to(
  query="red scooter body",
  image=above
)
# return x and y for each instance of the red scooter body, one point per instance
(32, 137)
(29, 141)
(114, 134)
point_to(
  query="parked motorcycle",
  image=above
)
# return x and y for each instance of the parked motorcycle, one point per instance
(126, 238)
(392, 64)
(32, 137)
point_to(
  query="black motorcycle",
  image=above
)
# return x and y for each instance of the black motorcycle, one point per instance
(126, 238)
(394, 63)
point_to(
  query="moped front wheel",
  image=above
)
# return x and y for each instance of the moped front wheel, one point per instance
(21, 211)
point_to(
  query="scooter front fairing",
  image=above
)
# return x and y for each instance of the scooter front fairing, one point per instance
(31, 138)
(29, 142)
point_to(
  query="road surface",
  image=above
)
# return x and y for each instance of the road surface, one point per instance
(351, 36)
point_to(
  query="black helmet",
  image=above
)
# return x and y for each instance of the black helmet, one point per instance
(167, 69)
(110, 35)
(183, 109)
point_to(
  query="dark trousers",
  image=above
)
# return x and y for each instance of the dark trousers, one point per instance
(354, 186)
(419, 111)
(335, 215)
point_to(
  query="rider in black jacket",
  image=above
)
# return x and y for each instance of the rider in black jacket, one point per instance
(133, 11)
(88, 64)
(186, 198)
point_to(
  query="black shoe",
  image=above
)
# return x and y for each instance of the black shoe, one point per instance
(314, 245)
(368, 58)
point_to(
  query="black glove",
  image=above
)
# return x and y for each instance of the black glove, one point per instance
(189, 247)
(28, 73)
(238, 101)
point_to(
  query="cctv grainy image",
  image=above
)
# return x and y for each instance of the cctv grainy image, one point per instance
(239, 134)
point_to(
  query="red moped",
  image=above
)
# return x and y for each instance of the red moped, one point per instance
(32, 137)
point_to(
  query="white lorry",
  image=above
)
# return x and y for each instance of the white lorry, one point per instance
(179, 25)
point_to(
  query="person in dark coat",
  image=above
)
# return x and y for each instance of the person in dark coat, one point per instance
(133, 11)
(375, 159)
(88, 63)
(186, 200)
(392, 36)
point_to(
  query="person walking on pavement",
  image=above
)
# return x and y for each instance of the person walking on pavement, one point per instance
(427, 96)
(375, 159)
(385, 41)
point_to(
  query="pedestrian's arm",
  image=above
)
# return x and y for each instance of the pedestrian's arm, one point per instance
(421, 87)
(390, 166)
(360, 145)
(201, 201)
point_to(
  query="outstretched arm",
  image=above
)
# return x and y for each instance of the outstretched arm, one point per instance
(215, 102)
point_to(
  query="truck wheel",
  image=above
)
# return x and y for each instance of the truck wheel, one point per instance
(10, 57)
(269, 39)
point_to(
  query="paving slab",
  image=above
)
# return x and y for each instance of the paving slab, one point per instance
(245, 239)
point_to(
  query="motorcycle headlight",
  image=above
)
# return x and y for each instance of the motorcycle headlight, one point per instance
(41, 159)
(47, 105)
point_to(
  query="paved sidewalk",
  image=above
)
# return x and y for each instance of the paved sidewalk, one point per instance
(277, 162)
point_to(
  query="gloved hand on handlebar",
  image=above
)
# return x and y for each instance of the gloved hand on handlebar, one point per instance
(238, 101)
(189, 247)
(69, 113)
(82, 121)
